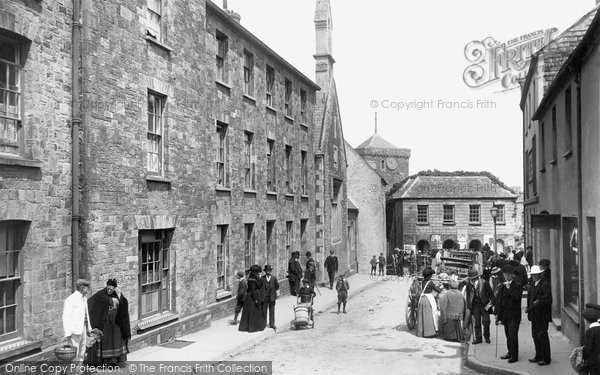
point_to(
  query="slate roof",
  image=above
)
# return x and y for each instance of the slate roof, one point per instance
(453, 186)
(556, 53)
(376, 141)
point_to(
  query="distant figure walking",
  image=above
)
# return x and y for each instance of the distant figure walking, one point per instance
(252, 319)
(331, 265)
(241, 296)
(294, 273)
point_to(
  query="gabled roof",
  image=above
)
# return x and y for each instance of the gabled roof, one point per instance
(376, 141)
(586, 42)
(452, 185)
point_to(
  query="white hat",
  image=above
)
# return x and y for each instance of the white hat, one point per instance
(535, 270)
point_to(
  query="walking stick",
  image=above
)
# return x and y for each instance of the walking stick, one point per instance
(496, 339)
(318, 290)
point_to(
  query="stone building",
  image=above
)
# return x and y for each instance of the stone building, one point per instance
(389, 161)
(366, 192)
(332, 230)
(35, 172)
(559, 100)
(435, 210)
(197, 160)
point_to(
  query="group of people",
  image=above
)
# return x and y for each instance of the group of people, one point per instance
(107, 311)
(460, 309)
(378, 262)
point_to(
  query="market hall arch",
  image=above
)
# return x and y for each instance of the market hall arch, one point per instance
(475, 245)
(450, 244)
(423, 247)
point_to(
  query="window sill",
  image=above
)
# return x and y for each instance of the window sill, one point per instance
(152, 40)
(250, 191)
(543, 170)
(289, 118)
(271, 109)
(553, 161)
(449, 224)
(272, 193)
(304, 127)
(156, 320)
(250, 98)
(572, 314)
(8, 159)
(223, 188)
(158, 179)
(304, 196)
(423, 224)
(290, 195)
(223, 294)
(475, 224)
(18, 346)
(568, 154)
(222, 84)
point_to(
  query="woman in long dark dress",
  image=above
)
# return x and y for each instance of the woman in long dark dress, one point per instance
(109, 312)
(252, 315)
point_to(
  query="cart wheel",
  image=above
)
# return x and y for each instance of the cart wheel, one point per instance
(411, 314)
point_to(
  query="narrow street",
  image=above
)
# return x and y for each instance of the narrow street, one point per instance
(371, 339)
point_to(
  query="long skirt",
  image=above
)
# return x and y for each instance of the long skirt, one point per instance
(451, 329)
(425, 323)
(111, 350)
(252, 319)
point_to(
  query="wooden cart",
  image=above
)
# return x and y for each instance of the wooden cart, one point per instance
(459, 262)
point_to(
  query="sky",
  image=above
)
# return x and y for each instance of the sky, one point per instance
(405, 61)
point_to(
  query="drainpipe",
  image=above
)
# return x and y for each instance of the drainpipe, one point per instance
(75, 123)
(580, 209)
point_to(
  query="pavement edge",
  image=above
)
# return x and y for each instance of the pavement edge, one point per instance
(248, 344)
(475, 364)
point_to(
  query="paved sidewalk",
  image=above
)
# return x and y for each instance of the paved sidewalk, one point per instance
(221, 340)
(482, 357)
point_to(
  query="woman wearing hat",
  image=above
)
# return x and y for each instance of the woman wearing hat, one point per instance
(452, 307)
(109, 312)
(591, 348)
(252, 319)
(427, 317)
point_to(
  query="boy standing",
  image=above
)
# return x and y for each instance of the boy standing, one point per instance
(241, 296)
(342, 288)
(374, 265)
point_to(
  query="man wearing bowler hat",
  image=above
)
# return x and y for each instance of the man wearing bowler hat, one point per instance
(508, 311)
(271, 287)
(545, 267)
(539, 312)
(479, 295)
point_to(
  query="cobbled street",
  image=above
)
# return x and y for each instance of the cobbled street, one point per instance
(371, 339)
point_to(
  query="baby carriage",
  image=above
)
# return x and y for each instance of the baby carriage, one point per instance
(303, 313)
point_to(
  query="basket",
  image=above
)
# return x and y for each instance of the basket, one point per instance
(65, 352)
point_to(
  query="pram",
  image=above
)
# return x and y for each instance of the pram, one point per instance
(303, 314)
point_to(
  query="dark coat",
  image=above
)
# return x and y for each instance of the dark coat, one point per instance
(270, 287)
(311, 270)
(539, 302)
(331, 263)
(591, 351)
(294, 269)
(241, 290)
(486, 295)
(98, 306)
(252, 319)
(509, 302)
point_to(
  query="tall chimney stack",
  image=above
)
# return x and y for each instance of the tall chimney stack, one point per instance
(225, 4)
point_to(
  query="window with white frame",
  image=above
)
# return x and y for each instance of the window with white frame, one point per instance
(289, 169)
(249, 246)
(222, 256)
(12, 235)
(288, 97)
(155, 14)
(422, 214)
(154, 272)
(222, 48)
(501, 218)
(248, 73)
(271, 182)
(270, 92)
(448, 214)
(474, 214)
(249, 167)
(10, 94)
(156, 106)
(304, 171)
(222, 155)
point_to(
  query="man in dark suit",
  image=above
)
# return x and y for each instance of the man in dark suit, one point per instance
(271, 286)
(311, 269)
(241, 296)
(331, 265)
(539, 312)
(294, 273)
(508, 312)
(545, 267)
(479, 298)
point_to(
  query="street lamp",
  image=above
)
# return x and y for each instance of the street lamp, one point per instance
(494, 213)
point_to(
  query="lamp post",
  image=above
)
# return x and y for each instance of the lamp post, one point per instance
(494, 213)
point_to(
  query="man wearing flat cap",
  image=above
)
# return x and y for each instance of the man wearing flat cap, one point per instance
(539, 312)
(478, 295)
(271, 286)
(508, 311)
(76, 318)
(591, 347)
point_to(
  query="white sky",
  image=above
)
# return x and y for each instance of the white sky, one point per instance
(414, 51)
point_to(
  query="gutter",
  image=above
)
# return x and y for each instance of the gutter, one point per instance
(75, 122)
(580, 209)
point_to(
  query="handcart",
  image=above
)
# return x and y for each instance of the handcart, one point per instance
(303, 314)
